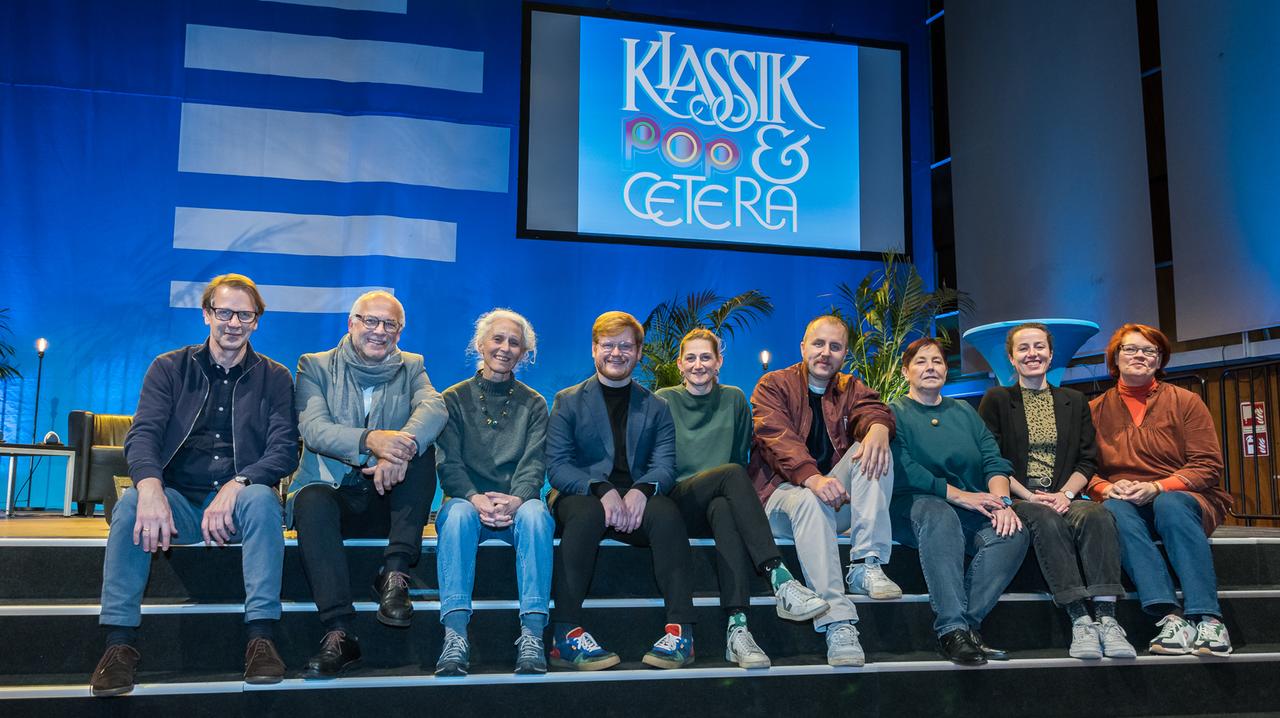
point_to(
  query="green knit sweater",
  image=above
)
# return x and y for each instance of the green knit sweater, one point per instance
(711, 430)
(474, 456)
(957, 450)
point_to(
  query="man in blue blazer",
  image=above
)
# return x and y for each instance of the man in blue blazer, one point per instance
(611, 455)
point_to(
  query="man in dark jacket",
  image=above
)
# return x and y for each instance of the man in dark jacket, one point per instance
(611, 455)
(821, 463)
(213, 435)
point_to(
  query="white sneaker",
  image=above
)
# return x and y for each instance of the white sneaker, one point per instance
(1086, 641)
(1114, 643)
(843, 648)
(1175, 637)
(797, 602)
(741, 648)
(1212, 639)
(868, 579)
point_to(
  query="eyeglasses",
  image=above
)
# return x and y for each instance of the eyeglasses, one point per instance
(224, 315)
(623, 348)
(371, 323)
(1132, 349)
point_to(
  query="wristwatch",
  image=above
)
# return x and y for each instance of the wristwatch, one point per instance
(1071, 495)
(242, 480)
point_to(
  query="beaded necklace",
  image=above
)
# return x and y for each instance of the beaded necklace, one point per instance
(484, 407)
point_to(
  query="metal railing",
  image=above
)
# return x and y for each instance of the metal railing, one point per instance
(1250, 475)
(1249, 396)
(1092, 388)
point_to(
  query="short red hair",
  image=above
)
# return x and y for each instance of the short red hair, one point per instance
(610, 323)
(1151, 334)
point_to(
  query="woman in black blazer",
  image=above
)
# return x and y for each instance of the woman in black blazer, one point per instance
(1046, 432)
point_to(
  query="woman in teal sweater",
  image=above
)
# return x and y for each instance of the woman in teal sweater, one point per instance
(713, 437)
(951, 497)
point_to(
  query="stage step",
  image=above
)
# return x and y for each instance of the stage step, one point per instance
(1029, 684)
(199, 573)
(192, 644)
(209, 638)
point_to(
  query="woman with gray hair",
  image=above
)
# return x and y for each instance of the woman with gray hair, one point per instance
(490, 462)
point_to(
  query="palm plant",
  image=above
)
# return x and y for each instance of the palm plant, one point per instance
(671, 320)
(7, 369)
(887, 311)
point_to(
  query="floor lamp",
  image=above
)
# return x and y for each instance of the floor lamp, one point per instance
(41, 345)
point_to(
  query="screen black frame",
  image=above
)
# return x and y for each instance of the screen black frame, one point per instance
(524, 232)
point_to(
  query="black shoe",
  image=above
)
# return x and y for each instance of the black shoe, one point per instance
(114, 674)
(958, 647)
(392, 590)
(262, 662)
(992, 654)
(338, 652)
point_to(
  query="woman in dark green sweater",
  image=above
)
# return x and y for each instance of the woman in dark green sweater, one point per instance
(951, 497)
(713, 438)
(490, 462)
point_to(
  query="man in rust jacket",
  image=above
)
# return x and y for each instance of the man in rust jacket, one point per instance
(821, 463)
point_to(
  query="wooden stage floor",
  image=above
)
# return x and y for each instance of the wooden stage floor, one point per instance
(54, 525)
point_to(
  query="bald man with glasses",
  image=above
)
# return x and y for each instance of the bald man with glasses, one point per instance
(368, 416)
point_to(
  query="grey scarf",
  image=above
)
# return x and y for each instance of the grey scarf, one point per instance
(350, 375)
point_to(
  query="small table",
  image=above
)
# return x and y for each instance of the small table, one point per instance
(1068, 336)
(13, 451)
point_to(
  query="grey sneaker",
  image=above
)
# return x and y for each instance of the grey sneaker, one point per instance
(1114, 643)
(1175, 637)
(797, 602)
(455, 657)
(741, 648)
(1086, 642)
(531, 655)
(843, 648)
(868, 579)
(1212, 639)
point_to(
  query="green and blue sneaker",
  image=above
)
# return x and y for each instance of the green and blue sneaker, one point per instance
(673, 650)
(579, 651)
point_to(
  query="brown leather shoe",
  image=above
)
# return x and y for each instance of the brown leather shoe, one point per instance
(262, 663)
(114, 674)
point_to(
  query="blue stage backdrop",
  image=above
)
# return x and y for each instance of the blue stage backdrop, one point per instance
(324, 147)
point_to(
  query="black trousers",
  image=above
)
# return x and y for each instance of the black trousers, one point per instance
(324, 515)
(1084, 537)
(721, 503)
(580, 525)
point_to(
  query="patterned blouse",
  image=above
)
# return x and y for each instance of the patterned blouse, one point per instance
(1042, 437)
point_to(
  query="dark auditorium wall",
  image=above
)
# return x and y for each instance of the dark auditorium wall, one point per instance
(1049, 164)
(91, 97)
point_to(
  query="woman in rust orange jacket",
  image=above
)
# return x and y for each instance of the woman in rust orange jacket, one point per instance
(1159, 464)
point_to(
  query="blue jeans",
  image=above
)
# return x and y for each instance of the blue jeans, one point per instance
(1174, 517)
(460, 533)
(943, 534)
(258, 525)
